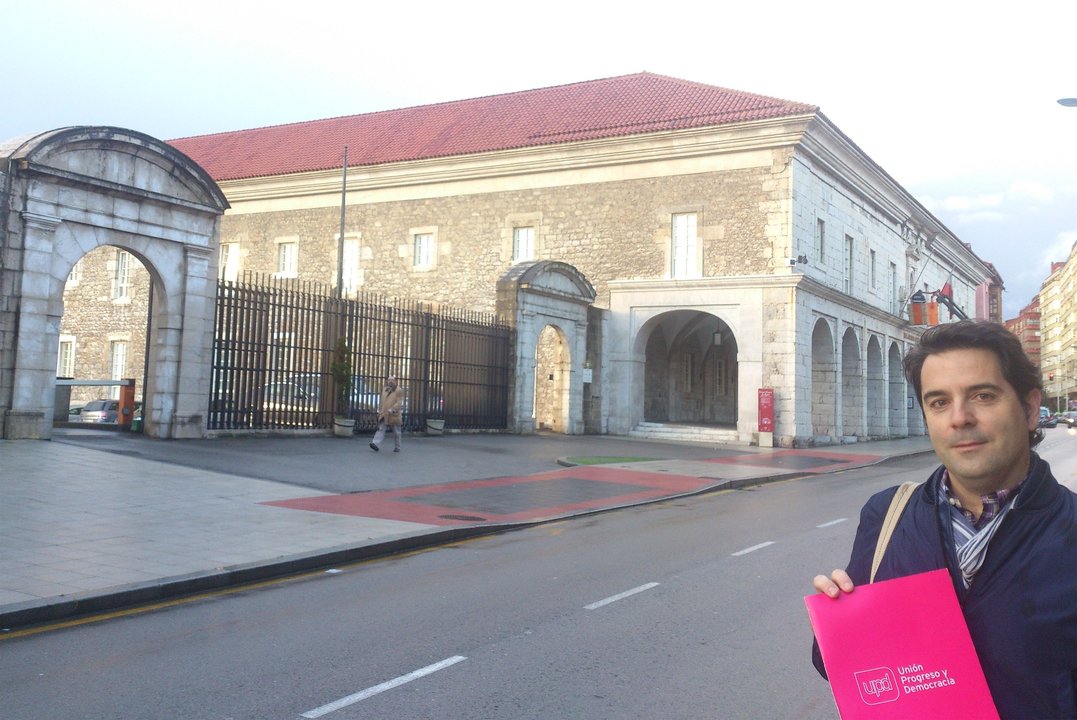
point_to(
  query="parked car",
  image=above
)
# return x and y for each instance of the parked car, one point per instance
(103, 410)
(1069, 418)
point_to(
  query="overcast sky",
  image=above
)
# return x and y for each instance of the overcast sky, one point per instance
(956, 100)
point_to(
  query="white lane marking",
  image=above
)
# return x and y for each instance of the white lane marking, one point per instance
(364, 694)
(620, 596)
(832, 522)
(753, 548)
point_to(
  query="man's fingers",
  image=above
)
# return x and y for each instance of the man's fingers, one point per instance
(837, 583)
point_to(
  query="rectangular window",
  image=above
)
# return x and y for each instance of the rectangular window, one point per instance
(523, 244)
(121, 276)
(423, 250)
(820, 238)
(65, 358)
(849, 264)
(350, 271)
(288, 259)
(117, 351)
(75, 276)
(228, 262)
(683, 250)
(871, 260)
(895, 300)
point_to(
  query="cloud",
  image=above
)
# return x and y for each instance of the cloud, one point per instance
(1030, 190)
(1059, 250)
(965, 203)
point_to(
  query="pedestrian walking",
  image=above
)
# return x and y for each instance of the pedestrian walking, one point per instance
(992, 514)
(390, 414)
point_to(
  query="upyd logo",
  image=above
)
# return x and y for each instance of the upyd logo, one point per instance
(877, 686)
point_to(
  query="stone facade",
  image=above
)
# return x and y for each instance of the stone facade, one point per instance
(663, 275)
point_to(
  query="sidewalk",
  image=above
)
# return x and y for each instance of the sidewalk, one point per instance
(94, 521)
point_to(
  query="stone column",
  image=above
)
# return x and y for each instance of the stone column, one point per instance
(30, 415)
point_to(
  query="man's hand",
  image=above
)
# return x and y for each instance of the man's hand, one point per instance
(837, 583)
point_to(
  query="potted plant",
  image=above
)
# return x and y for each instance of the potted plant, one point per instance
(341, 371)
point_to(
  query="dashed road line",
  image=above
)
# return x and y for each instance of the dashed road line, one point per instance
(753, 548)
(620, 596)
(389, 685)
(832, 522)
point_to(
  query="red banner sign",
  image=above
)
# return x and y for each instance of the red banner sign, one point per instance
(766, 410)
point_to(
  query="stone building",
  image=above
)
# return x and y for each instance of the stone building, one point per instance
(665, 249)
(1026, 326)
(1058, 334)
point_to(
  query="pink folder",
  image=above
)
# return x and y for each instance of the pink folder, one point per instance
(900, 649)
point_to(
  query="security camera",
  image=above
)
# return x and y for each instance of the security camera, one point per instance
(791, 261)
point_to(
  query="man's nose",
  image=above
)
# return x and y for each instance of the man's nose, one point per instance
(961, 414)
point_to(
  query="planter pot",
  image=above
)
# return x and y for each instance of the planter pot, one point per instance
(343, 427)
(435, 426)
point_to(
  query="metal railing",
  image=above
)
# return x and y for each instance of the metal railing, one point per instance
(273, 345)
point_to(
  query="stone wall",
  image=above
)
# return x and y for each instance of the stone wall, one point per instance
(608, 230)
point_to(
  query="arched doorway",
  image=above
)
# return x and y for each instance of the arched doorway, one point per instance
(548, 304)
(898, 414)
(70, 191)
(690, 369)
(876, 391)
(852, 386)
(103, 330)
(553, 363)
(824, 383)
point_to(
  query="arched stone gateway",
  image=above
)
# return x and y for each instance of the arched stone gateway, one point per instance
(66, 192)
(690, 369)
(549, 302)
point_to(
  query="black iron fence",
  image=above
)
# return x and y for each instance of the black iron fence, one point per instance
(273, 348)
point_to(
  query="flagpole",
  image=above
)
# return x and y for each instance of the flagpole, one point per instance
(340, 240)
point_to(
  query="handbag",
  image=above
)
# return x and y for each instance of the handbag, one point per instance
(893, 514)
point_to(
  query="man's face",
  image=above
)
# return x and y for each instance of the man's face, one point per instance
(977, 423)
(391, 382)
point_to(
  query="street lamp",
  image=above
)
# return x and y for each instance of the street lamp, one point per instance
(1068, 102)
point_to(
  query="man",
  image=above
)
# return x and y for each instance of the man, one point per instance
(992, 514)
(390, 409)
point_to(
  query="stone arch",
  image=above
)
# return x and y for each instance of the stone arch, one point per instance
(533, 296)
(553, 363)
(852, 386)
(68, 191)
(690, 369)
(824, 383)
(898, 415)
(877, 420)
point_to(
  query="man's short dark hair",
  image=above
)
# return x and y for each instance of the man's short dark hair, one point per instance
(1016, 368)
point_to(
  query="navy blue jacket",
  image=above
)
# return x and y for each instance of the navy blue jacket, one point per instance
(1021, 608)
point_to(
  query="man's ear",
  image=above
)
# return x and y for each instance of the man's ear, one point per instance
(1032, 406)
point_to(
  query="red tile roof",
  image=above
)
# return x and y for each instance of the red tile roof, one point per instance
(613, 107)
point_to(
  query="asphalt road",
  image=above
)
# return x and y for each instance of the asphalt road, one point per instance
(684, 609)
